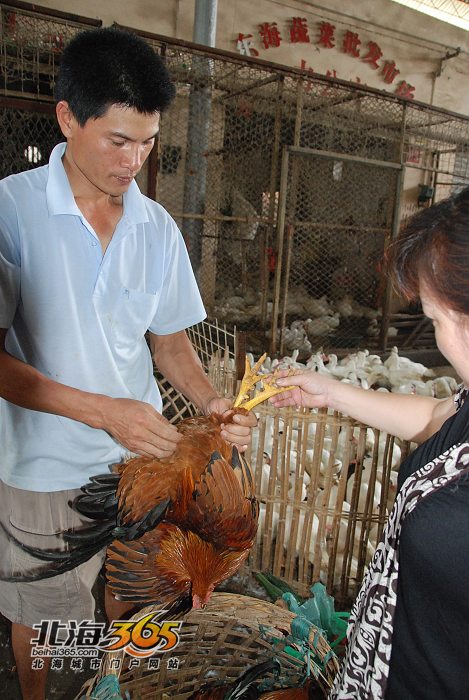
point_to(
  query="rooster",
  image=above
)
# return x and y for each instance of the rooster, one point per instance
(174, 527)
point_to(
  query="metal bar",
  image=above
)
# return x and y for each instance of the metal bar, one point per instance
(457, 180)
(205, 22)
(387, 298)
(269, 235)
(280, 240)
(17, 94)
(221, 217)
(152, 177)
(424, 325)
(27, 105)
(301, 151)
(288, 257)
(432, 170)
(198, 129)
(292, 202)
(257, 84)
(337, 227)
(443, 138)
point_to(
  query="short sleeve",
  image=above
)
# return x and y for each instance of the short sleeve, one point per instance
(180, 304)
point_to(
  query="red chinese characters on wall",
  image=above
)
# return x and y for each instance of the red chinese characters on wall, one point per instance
(270, 35)
(349, 42)
(373, 55)
(389, 71)
(299, 31)
(326, 36)
(244, 45)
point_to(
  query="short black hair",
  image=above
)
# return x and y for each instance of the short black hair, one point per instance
(107, 66)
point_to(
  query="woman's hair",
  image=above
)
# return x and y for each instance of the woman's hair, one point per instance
(110, 66)
(433, 247)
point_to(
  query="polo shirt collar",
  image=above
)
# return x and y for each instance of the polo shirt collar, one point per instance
(60, 199)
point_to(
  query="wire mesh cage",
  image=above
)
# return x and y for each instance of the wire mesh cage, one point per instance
(217, 645)
(359, 162)
(336, 217)
(39, 134)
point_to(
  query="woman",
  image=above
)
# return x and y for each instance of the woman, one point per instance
(409, 628)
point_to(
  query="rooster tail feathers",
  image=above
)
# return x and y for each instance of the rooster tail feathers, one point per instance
(98, 500)
(243, 687)
(60, 561)
(84, 546)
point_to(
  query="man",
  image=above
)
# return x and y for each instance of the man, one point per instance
(88, 265)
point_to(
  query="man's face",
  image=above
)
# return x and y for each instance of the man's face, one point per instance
(105, 154)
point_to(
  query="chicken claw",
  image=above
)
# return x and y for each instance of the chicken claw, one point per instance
(249, 381)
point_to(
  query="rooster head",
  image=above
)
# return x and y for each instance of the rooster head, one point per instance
(197, 564)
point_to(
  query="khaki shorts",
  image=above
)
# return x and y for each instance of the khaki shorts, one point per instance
(35, 519)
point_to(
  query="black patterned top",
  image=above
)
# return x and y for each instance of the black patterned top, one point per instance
(409, 628)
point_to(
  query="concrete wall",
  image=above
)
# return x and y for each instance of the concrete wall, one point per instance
(414, 42)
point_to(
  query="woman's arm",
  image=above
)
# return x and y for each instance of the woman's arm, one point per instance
(407, 416)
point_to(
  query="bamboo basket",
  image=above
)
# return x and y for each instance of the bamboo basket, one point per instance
(217, 645)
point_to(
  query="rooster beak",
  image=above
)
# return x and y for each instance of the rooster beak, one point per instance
(198, 603)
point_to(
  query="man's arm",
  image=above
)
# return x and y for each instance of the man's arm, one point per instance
(177, 360)
(134, 424)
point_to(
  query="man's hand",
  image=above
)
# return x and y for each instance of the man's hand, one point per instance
(140, 428)
(238, 432)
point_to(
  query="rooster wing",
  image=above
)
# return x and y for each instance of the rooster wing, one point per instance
(219, 505)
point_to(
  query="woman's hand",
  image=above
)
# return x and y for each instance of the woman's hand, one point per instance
(310, 389)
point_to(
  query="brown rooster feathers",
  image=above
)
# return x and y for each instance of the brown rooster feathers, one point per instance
(208, 526)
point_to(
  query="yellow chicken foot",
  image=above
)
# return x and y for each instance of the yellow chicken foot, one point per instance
(248, 382)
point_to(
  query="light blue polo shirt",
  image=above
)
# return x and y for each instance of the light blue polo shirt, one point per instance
(80, 317)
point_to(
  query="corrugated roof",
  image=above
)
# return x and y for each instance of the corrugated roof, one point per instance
(451, 11)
